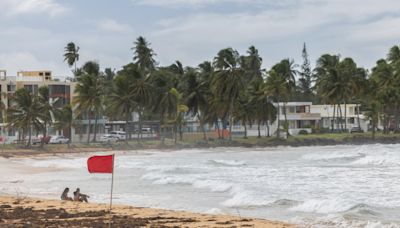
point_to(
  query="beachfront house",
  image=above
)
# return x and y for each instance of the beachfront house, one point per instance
(299, 116)
(348, 115)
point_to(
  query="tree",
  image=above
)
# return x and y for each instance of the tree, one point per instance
(264, 111)
(47, 108)
(143, 55)
(121, 102)
(195, 89)
(71, 55)
(252, 65)
(164, 101)
(328, 81)
(276, 87)
(305, 79)
(285, 70)
(89, 94)
(25, 113)
(228, 80)
(386, 86)
(64, 120)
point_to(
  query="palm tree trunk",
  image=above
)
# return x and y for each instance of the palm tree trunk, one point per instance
(278, 135)
(95, 127)
(44, 134)
(126, 128)
(396, 119)
(175, 133)
(203, 129)
(333, 117)
(89, 126)
(373, 128)
(345, 115)
(258, 128)
(162, 129)
(341, 117)
(268, 135)
(338, 117)
(230, 120)
(30, 135)
(245, 131)
(180, 132)
(219, 134)
(140, 123)
(358, 116)
(286, 121)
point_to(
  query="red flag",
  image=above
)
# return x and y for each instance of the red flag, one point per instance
(101, 164)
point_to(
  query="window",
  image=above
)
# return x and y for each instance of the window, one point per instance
(47, 73)
(32, 88)
(41, 74)
(10, 88)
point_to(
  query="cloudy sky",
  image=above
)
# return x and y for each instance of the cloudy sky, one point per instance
(35, 32)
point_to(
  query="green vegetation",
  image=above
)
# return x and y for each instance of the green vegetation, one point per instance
(231, 88)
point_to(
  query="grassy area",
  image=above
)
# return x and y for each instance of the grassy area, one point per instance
(195, 142)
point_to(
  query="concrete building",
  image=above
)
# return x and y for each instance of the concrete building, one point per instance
(351, 114)
(61, 93)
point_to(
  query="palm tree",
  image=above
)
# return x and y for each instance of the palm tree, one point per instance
(328, 81)
(25, 113)
(386, 88)
(175, 98)
(121, 102)
(264, 110)
(89, 95)
(196, 92)
(142, 91)
(242, 114)
(228, 80)
(71, 55)
(163, 101)
(276, 88)
(47, 108)
(252, 65)
(285, 69)
(143, 55)
(64, 120)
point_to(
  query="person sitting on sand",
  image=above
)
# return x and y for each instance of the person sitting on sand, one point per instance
(78, 196)
(64, 195)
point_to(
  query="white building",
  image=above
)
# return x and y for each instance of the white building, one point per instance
(350, 116)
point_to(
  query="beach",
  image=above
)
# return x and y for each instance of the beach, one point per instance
(34, 212)
(319, 186)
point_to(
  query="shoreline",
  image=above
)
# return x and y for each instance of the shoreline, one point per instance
(53, 150)
(20, 211)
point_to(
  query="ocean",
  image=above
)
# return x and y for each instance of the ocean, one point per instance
(324, 186)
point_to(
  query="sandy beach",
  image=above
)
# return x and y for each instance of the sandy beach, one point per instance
(34, 212)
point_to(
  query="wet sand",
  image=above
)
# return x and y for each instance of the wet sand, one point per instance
(33, 212)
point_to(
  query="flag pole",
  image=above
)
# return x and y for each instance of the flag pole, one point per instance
(112, 184)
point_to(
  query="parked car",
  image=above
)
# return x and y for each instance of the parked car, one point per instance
(39, 139)
(59, 139)
(120, 135)
(356, 130)
(108, 138)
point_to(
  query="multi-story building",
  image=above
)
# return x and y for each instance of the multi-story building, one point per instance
(60, 92)
(348, 115)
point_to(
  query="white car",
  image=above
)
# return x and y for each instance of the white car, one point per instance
(108, 138)
(59, 139)
(120, 135)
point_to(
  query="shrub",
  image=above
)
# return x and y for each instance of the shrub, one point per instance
(303, 132)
